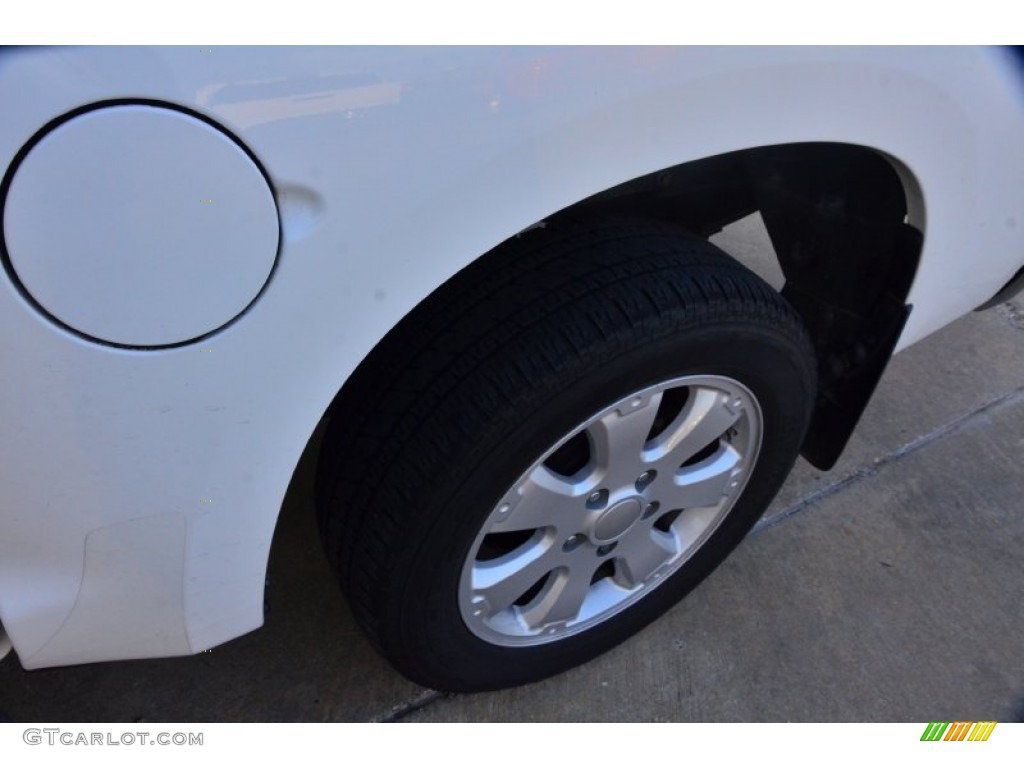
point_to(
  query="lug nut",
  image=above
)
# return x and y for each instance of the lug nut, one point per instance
(572, 542)
(645, 479)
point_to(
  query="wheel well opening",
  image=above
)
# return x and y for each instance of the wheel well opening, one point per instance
(825, 224)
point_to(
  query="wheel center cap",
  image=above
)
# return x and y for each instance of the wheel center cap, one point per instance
(617, 519)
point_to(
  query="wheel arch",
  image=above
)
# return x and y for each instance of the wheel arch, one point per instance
(823, 204)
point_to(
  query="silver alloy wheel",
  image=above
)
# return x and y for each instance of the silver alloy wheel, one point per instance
(608, 513)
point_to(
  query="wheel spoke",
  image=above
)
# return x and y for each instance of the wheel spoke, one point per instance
(692, 524)
(642, 554)
(544, 499)
(504, 580)
(561, 598)
(704, 484)
(617, 439)
(705, 417)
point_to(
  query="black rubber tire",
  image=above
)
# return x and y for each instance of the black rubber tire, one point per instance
(486, 375)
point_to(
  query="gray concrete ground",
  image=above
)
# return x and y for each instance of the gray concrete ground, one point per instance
(889, 589)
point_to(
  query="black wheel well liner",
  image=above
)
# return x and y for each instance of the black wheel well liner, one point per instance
(837, 218)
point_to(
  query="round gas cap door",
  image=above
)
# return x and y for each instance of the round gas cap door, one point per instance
(140, 225)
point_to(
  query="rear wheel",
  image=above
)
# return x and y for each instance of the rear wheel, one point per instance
(556, 448)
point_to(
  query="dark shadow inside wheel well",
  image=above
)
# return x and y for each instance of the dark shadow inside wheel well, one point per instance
(837, 216)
